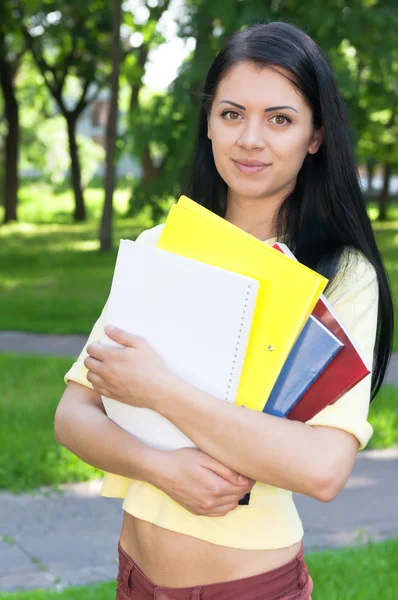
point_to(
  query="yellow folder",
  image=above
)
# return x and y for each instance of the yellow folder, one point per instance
(287, 294)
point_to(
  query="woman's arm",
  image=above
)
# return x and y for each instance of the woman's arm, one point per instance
(315, 458)
(196, 481)
(81, 425)
(288, 454)
(315, 461)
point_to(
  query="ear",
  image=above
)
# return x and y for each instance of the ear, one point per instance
(208, 128)
(316, 141)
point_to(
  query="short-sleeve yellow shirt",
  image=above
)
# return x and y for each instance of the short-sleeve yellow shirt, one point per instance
(270, 520)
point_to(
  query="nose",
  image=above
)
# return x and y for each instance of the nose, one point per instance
(251, 136)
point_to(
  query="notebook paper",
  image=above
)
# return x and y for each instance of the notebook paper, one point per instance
(287, 295)
(196, 316)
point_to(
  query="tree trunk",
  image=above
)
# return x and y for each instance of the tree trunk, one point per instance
(11, 142)
(111, 133)
(384, 194)
(137, 85)
(76, 177)
(149, 171)
(370, 167)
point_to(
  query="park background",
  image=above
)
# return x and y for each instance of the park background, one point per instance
(98, 111)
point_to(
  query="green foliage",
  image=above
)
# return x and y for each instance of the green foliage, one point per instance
(71, 43)
(52, 155)
(37, 109)
(69, 39)
(12, 42)
(92, 156)
(359, 38)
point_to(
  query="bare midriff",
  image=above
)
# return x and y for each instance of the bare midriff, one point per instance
(171, 559)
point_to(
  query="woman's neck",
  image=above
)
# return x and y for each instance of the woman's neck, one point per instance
(254, 216)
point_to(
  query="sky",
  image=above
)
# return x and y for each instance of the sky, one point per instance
(164, 61)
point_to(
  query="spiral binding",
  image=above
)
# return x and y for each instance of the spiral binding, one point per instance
(238, 341)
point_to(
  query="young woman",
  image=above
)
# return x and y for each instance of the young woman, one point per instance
(273, 158)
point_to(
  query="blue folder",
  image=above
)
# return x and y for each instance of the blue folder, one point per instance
(314, 350)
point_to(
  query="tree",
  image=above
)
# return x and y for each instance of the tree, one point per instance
(10, 56)
(111, 132)
(146, 38)
(359, 39)
(374, 58)
(7, 76)
(70, 41)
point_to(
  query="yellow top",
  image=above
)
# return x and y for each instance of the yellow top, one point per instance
(281, 310)
(270, 520)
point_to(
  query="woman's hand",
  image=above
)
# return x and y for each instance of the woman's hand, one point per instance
(134, 374)
(201, 484)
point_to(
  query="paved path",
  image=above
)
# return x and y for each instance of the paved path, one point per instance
(51, 539)
(70, 345)
(392, 374)
(37, 343)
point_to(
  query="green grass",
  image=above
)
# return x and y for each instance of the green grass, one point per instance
(53, 279)
(387, 240)
(31, 387)
(42, 203)
(102, 591)
(364, 573)
(29, 454)
(367, 573)
(383, 416)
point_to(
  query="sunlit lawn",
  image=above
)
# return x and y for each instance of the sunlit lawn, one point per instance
(29, 455)
(31, 387)
(387, 239)
(53, 279)
(363, 573)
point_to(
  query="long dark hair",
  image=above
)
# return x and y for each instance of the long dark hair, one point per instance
(326, 212)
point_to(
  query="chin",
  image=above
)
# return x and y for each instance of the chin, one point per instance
(250, 191)
(247, 187)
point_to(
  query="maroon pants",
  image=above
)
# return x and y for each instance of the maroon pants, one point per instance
(288, 582)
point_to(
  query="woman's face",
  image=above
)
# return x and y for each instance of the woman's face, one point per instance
(261, 130)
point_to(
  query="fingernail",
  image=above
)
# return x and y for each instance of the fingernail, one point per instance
(109, 328)
(241, 478)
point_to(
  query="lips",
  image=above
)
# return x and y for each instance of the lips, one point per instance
(249, 166)
(250, 163)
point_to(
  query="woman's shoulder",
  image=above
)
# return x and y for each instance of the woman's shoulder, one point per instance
(355, 274)
(151, 236)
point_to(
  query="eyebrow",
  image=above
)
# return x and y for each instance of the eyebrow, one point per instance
(270, 109)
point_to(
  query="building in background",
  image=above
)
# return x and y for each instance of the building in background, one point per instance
(92, 124)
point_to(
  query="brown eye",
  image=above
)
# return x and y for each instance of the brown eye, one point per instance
(231, 115)
(281, 120)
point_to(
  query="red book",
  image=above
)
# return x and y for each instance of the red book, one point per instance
(346, 370)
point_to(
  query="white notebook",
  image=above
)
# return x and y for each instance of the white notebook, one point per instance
(196, 316)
